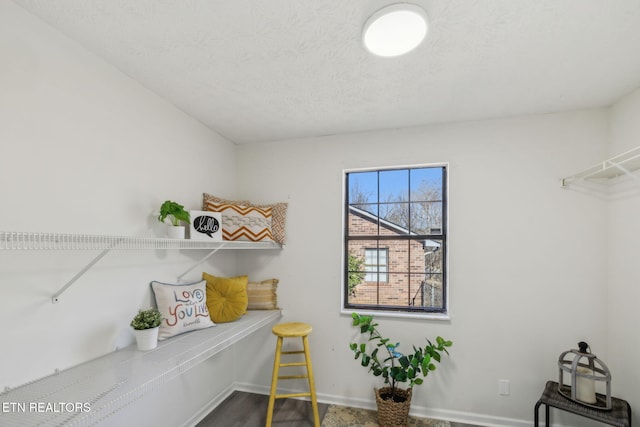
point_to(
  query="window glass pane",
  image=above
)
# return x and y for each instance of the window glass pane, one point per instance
(394, 185)
(426, 256)
(395, 292)
(364, 295)
(363, 220)
(357, 248)
(371, 265)
(383, 258)
(427, 270)
(433, 256)
(370, 256)
(426, 291)
(369, 208)
(398, 251)
(426, 184)
(356, 265)
(375, 265)
(426, 218)
(383, 265)
(395, 219)
(363, 187)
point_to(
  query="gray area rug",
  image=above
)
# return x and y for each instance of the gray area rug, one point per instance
(342, 416)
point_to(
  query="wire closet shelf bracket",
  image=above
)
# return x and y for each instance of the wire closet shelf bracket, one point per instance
(29, 241)
(625, 164)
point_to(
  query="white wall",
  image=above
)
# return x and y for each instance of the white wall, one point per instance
(527, 258)
(85, 149)
(623, 273)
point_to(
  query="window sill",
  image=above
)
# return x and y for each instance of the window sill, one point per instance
(397, 314)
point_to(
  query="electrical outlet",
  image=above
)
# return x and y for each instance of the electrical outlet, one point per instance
(503, 387)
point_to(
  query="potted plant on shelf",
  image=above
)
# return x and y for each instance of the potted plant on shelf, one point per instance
(394, 402)
(175, 213)
(145, 326)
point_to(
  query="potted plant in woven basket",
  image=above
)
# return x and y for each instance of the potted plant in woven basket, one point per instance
(382, 358)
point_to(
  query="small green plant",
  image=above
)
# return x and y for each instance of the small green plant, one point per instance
(392, 365)
(175, 212)
(146, 319)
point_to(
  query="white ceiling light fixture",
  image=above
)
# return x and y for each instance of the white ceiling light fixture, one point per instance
(395, 30)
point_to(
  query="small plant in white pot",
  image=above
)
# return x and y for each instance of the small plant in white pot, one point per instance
(175, 213)
(146, 325)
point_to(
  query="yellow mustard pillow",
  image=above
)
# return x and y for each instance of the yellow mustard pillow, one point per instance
(226, 297)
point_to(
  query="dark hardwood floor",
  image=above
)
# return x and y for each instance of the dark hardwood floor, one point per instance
(250, 410)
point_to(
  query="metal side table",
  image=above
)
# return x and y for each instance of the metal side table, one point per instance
(619, 415)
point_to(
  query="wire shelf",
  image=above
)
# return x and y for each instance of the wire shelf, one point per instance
(17, 240)
(110, 383)
(624, 164)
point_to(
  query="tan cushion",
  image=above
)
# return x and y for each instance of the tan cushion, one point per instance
(262, 295)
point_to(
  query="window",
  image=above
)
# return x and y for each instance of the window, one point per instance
(375, 264)
(395, 239)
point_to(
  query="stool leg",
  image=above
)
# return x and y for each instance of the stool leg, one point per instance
(312, 385)
(546, 415)
(274, 382)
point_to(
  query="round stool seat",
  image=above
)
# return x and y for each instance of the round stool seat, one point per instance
(292, 329)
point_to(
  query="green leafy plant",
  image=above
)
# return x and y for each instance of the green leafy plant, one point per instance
(356, 276)
(392, 365)
(146, 319)
(175, 212)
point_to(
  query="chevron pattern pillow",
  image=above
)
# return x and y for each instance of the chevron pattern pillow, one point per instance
(241, 222)
(278, 210)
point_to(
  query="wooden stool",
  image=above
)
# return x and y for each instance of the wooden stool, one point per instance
(292, 330)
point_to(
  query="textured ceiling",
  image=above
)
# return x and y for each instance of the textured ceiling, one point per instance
(261, 70)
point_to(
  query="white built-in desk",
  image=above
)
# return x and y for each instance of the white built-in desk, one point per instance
(111, 382)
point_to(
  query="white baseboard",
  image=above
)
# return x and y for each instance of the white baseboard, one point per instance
(416, 410)
(468, 417)
(210, 406)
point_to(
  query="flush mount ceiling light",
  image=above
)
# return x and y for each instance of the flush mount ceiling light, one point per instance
(395, 30)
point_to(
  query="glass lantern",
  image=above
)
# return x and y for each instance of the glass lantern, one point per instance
(585, 371)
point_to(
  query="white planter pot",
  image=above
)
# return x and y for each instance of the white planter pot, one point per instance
(147, 339)
(175, 231)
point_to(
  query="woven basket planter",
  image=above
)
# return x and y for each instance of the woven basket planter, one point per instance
(391, 413)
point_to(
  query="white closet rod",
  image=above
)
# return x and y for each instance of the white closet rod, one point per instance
(622, 164)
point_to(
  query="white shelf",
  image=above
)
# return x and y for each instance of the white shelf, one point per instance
(16, 240)
(624, 164)
(113, 381)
